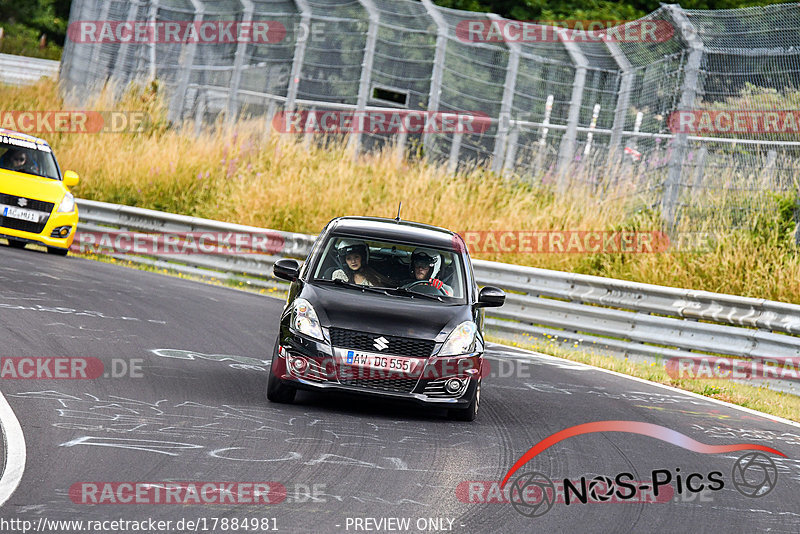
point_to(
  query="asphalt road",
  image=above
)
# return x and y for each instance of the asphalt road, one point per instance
(191, 408)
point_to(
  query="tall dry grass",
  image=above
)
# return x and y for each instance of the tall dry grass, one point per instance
(239, 174)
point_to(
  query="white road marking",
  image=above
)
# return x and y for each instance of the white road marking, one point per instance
(550, 359)
(15, 451)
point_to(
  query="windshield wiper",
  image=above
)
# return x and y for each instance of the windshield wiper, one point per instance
(340, 282)
(407, 292)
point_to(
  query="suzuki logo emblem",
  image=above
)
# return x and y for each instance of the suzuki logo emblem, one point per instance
(22, 202)
(381, 343)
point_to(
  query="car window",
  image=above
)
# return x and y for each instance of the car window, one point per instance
(30, 159)
(412, 268)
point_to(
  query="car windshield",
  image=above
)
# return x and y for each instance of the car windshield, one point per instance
(28, 157)
(399, 268)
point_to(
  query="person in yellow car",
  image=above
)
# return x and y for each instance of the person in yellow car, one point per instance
(19, 161)
(36, 206)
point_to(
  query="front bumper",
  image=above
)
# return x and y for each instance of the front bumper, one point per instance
(324, 371)
(56, 220)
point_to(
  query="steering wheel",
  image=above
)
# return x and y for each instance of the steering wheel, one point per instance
(417, 283)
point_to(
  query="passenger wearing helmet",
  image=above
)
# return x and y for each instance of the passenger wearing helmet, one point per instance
(353, 259)
(426, 265)
(19, 160)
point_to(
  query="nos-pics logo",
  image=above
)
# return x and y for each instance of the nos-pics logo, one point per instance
(533, 494)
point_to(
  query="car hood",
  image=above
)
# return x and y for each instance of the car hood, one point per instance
(381, 314)
(26, 185)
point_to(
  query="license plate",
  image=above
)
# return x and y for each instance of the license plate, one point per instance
(383, 363)
(17, 213)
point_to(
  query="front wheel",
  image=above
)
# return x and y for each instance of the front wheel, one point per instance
(471, 411)
(277, 391)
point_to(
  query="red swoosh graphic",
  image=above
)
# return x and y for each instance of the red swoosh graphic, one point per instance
(633, 427)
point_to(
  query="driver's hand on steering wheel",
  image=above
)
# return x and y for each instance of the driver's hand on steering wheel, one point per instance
(438, 284)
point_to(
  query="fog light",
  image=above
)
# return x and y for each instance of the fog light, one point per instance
(453, 385)
(299, 364)
(61, 232)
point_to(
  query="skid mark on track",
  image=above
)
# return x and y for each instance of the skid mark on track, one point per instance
(187, 428)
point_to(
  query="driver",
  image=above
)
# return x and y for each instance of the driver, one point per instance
(425, 265)
(18, 161)
(353, 259)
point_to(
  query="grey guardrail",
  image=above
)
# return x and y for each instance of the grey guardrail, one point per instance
(580, 311)
(21, 70)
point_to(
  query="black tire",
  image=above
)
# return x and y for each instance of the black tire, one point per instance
(470, 412)
(57, 251)
(277, 391)
(16, 244)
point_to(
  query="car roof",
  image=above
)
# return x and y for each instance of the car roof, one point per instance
(22, 136)
(410, 232)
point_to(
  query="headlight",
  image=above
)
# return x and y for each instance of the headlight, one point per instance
(461, 340)
(67, 204)
(304, 319)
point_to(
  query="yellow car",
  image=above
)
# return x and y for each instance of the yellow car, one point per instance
(35, 203)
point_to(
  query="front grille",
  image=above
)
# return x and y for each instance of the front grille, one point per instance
(398, 385)
(19, 224)
(399, 346)
(36, 205)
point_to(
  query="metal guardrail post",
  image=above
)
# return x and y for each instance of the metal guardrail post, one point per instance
(691, 78)
(366, 73)
(175, 113)
(623, 99)
(512, 68)
(438, 65)
(238, 63)
(299, 55)
(566, 150)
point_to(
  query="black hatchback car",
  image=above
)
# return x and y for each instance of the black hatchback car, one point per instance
(387, 308)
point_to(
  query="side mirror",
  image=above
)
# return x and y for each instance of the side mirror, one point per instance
(71, 178)
(286, 269)
(490, 297)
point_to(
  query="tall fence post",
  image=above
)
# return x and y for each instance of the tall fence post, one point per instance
(152, 17)
(566, 151)
(120, 72)
(366, 73)
(691, 78)
(512, 68)
(299, 55)
(623, 99)
(438, 65)
(238, 66)
(175, 113)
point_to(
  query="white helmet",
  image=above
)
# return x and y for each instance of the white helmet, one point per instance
(426, 256)
(348, 246)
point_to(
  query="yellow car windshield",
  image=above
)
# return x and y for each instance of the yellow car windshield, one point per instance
(38, 161)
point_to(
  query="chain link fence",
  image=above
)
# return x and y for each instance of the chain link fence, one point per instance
(564, 107)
